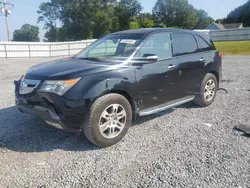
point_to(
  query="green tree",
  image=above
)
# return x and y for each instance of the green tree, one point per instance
(134, 23)
(175, 13)
(80, 19)
(219, 21)
(240, 15)
(50, 14)
(102, 25)
(203, 19)
(126, 10)
(56, 34)
(146, 20)
(77, 17)
(27, 33)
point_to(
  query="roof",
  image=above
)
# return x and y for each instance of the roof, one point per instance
(219, 26)
(232, 25)
(146, 31)
(225, 26)
(136, 31)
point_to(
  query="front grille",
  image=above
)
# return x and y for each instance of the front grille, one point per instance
(27, 86)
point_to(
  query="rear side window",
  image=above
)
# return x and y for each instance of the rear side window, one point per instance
(212, 45)
(184, 44)
(203, 45)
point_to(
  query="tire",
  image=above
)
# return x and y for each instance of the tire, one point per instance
(98, 117)
(201, 99)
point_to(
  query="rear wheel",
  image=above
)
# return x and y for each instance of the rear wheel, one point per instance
(208, 91)
(108, 120)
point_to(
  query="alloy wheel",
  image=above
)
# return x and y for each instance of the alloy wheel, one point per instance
(210, 90)
(112, 121)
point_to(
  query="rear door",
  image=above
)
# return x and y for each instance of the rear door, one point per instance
(190, 60)
(210, 55)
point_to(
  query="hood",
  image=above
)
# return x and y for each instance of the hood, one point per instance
(66, 69)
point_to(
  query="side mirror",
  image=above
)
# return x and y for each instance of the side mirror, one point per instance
(150, 57)
(145, 59)
(153, 58)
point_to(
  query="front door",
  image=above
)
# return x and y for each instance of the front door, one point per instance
(157, 82)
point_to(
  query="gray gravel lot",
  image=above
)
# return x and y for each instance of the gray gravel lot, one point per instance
(183, 147)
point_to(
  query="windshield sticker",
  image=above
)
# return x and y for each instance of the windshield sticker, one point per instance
(128, 41)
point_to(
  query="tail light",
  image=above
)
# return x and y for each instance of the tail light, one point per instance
(220, 55)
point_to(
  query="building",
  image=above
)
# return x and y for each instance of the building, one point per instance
(218, 26)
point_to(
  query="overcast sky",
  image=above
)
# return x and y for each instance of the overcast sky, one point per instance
(25, 11)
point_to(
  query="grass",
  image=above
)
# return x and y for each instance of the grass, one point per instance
(233, 47)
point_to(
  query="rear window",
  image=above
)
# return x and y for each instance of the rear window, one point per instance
(184, 44)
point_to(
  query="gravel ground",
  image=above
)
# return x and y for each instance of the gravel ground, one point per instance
(183, 147)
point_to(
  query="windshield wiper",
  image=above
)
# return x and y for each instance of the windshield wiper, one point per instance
(90, 58)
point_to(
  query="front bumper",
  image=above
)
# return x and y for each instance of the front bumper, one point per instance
(46, 114)
(56, 110)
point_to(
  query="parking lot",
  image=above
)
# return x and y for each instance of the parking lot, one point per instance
(183, 147)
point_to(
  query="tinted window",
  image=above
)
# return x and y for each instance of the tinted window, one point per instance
(184, 44)
(159, 45)
(212, 44)
(203, 45)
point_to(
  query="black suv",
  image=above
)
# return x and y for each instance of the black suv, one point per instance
(121, 76)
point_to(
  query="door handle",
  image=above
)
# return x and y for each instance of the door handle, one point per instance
(171, 66)
(202, 59)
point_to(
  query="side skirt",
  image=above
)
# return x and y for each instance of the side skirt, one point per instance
(166, 106)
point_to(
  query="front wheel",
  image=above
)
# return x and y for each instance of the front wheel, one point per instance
(208, 91)
(108, 120)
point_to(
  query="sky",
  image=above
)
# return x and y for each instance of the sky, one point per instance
(25, 11)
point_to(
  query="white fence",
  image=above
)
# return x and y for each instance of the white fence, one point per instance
(229, 34)
(41, 49)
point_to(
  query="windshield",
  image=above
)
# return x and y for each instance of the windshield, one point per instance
(113, 47)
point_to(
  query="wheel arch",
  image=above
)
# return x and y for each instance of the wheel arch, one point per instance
(216, 74)
(129, 98)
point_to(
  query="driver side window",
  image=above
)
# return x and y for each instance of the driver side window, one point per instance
(159, 44)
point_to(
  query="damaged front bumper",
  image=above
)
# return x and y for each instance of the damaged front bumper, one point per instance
(45, 114)
(55, 110)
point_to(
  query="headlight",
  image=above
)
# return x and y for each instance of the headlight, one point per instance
(59, 87)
